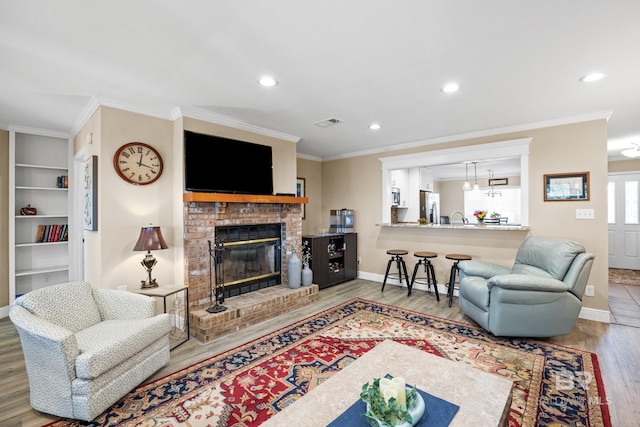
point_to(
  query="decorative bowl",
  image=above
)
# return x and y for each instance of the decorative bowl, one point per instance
(28, 210)
(416, 412)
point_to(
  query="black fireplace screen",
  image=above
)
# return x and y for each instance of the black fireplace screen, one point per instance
(251, 257)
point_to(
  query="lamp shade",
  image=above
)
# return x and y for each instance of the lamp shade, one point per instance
(150, 239)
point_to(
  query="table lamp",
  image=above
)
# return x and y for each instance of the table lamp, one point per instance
(150, 239)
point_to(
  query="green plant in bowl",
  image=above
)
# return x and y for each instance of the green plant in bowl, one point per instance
(384, 411)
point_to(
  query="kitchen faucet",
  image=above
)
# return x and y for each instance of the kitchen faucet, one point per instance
(464, 220)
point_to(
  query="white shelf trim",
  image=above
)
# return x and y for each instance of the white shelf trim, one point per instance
(41, 216)
(25, 245)
(21, 187)
(57, 168)
(43, 270)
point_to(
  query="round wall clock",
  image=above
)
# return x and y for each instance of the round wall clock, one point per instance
(138, 163)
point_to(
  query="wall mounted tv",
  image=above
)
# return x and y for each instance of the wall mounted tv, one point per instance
(214, 164)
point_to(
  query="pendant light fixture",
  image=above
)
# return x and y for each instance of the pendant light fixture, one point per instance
(632, 152)
(476, 187)
(466, 186)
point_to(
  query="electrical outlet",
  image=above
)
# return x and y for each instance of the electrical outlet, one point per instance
(585, 214)
(589, 291)
(122, 288)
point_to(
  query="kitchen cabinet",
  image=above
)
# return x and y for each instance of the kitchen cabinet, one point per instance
(334, 257)
(426, 179)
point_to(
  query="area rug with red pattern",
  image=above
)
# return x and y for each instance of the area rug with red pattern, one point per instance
(553, 385)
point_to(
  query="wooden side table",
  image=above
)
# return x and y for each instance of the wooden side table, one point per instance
(175, 300)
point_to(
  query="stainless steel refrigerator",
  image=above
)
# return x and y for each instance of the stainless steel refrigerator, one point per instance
(430, 206)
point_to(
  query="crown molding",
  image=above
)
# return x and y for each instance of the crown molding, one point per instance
(601, 115)
(220, 119)
(192, 112)
(309, 157)
(41, 132)
(88, 111)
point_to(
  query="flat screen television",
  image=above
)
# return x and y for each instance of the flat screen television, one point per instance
(214, 164)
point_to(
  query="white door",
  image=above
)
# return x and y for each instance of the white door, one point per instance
(624, 220)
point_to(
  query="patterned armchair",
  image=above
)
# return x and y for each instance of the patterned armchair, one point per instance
(85, 348)
(540, 296)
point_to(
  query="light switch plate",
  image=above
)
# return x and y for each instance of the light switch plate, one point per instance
(585, 214)
(589, 291)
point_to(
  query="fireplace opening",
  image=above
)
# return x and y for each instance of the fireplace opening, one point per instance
(251, 257)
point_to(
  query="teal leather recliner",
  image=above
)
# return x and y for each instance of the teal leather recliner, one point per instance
(540, 296)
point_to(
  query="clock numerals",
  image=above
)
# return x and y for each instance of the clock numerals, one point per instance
(138, 163)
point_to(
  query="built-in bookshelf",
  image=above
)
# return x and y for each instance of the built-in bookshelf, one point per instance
(39, 163)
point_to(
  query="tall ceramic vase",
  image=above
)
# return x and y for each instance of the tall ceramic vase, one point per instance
(307, 276)
(294, 273)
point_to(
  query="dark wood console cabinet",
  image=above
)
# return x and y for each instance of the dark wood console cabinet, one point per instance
(334, 258)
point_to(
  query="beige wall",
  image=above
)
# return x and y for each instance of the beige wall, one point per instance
(4, 218)
(356, 183)
(631, 165)
(124, 208)
(315, 218)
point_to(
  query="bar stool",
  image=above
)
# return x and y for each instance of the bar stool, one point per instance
(428, 269)
(454, 270)
(396, 255)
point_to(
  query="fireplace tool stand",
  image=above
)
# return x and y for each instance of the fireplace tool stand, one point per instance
(215, 258)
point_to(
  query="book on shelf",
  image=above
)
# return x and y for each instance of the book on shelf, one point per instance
(40, 233)
(52, 233)
(63, 181)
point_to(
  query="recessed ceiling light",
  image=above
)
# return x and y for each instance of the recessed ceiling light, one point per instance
(374, 126)
(450, 87)
(267, 81)
(593, 77)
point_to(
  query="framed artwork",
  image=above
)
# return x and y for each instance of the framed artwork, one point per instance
(91, 194)
(498, 181)
(566, 186)
(300, 192)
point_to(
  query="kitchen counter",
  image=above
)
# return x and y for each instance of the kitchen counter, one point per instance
(492, 227)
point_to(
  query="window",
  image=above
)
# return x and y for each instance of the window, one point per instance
(631, 202)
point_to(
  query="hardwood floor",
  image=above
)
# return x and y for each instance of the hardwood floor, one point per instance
(617, 347)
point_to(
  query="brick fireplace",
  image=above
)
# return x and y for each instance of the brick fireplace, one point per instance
(203, 213)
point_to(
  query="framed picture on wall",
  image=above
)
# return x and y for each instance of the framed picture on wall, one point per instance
(566, 186)
(300, 192)
(91, 194)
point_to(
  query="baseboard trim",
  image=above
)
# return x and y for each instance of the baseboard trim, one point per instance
(442, 289)
(4, 312)
(603, 316)
(586, 313)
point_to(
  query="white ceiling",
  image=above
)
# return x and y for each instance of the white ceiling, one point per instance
(362, 61)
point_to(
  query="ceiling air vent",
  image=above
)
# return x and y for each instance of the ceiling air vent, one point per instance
(328, 122)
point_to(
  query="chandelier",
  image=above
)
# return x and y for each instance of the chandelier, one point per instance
(492, 191)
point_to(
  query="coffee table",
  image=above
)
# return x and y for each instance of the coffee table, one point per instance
(484, 398)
